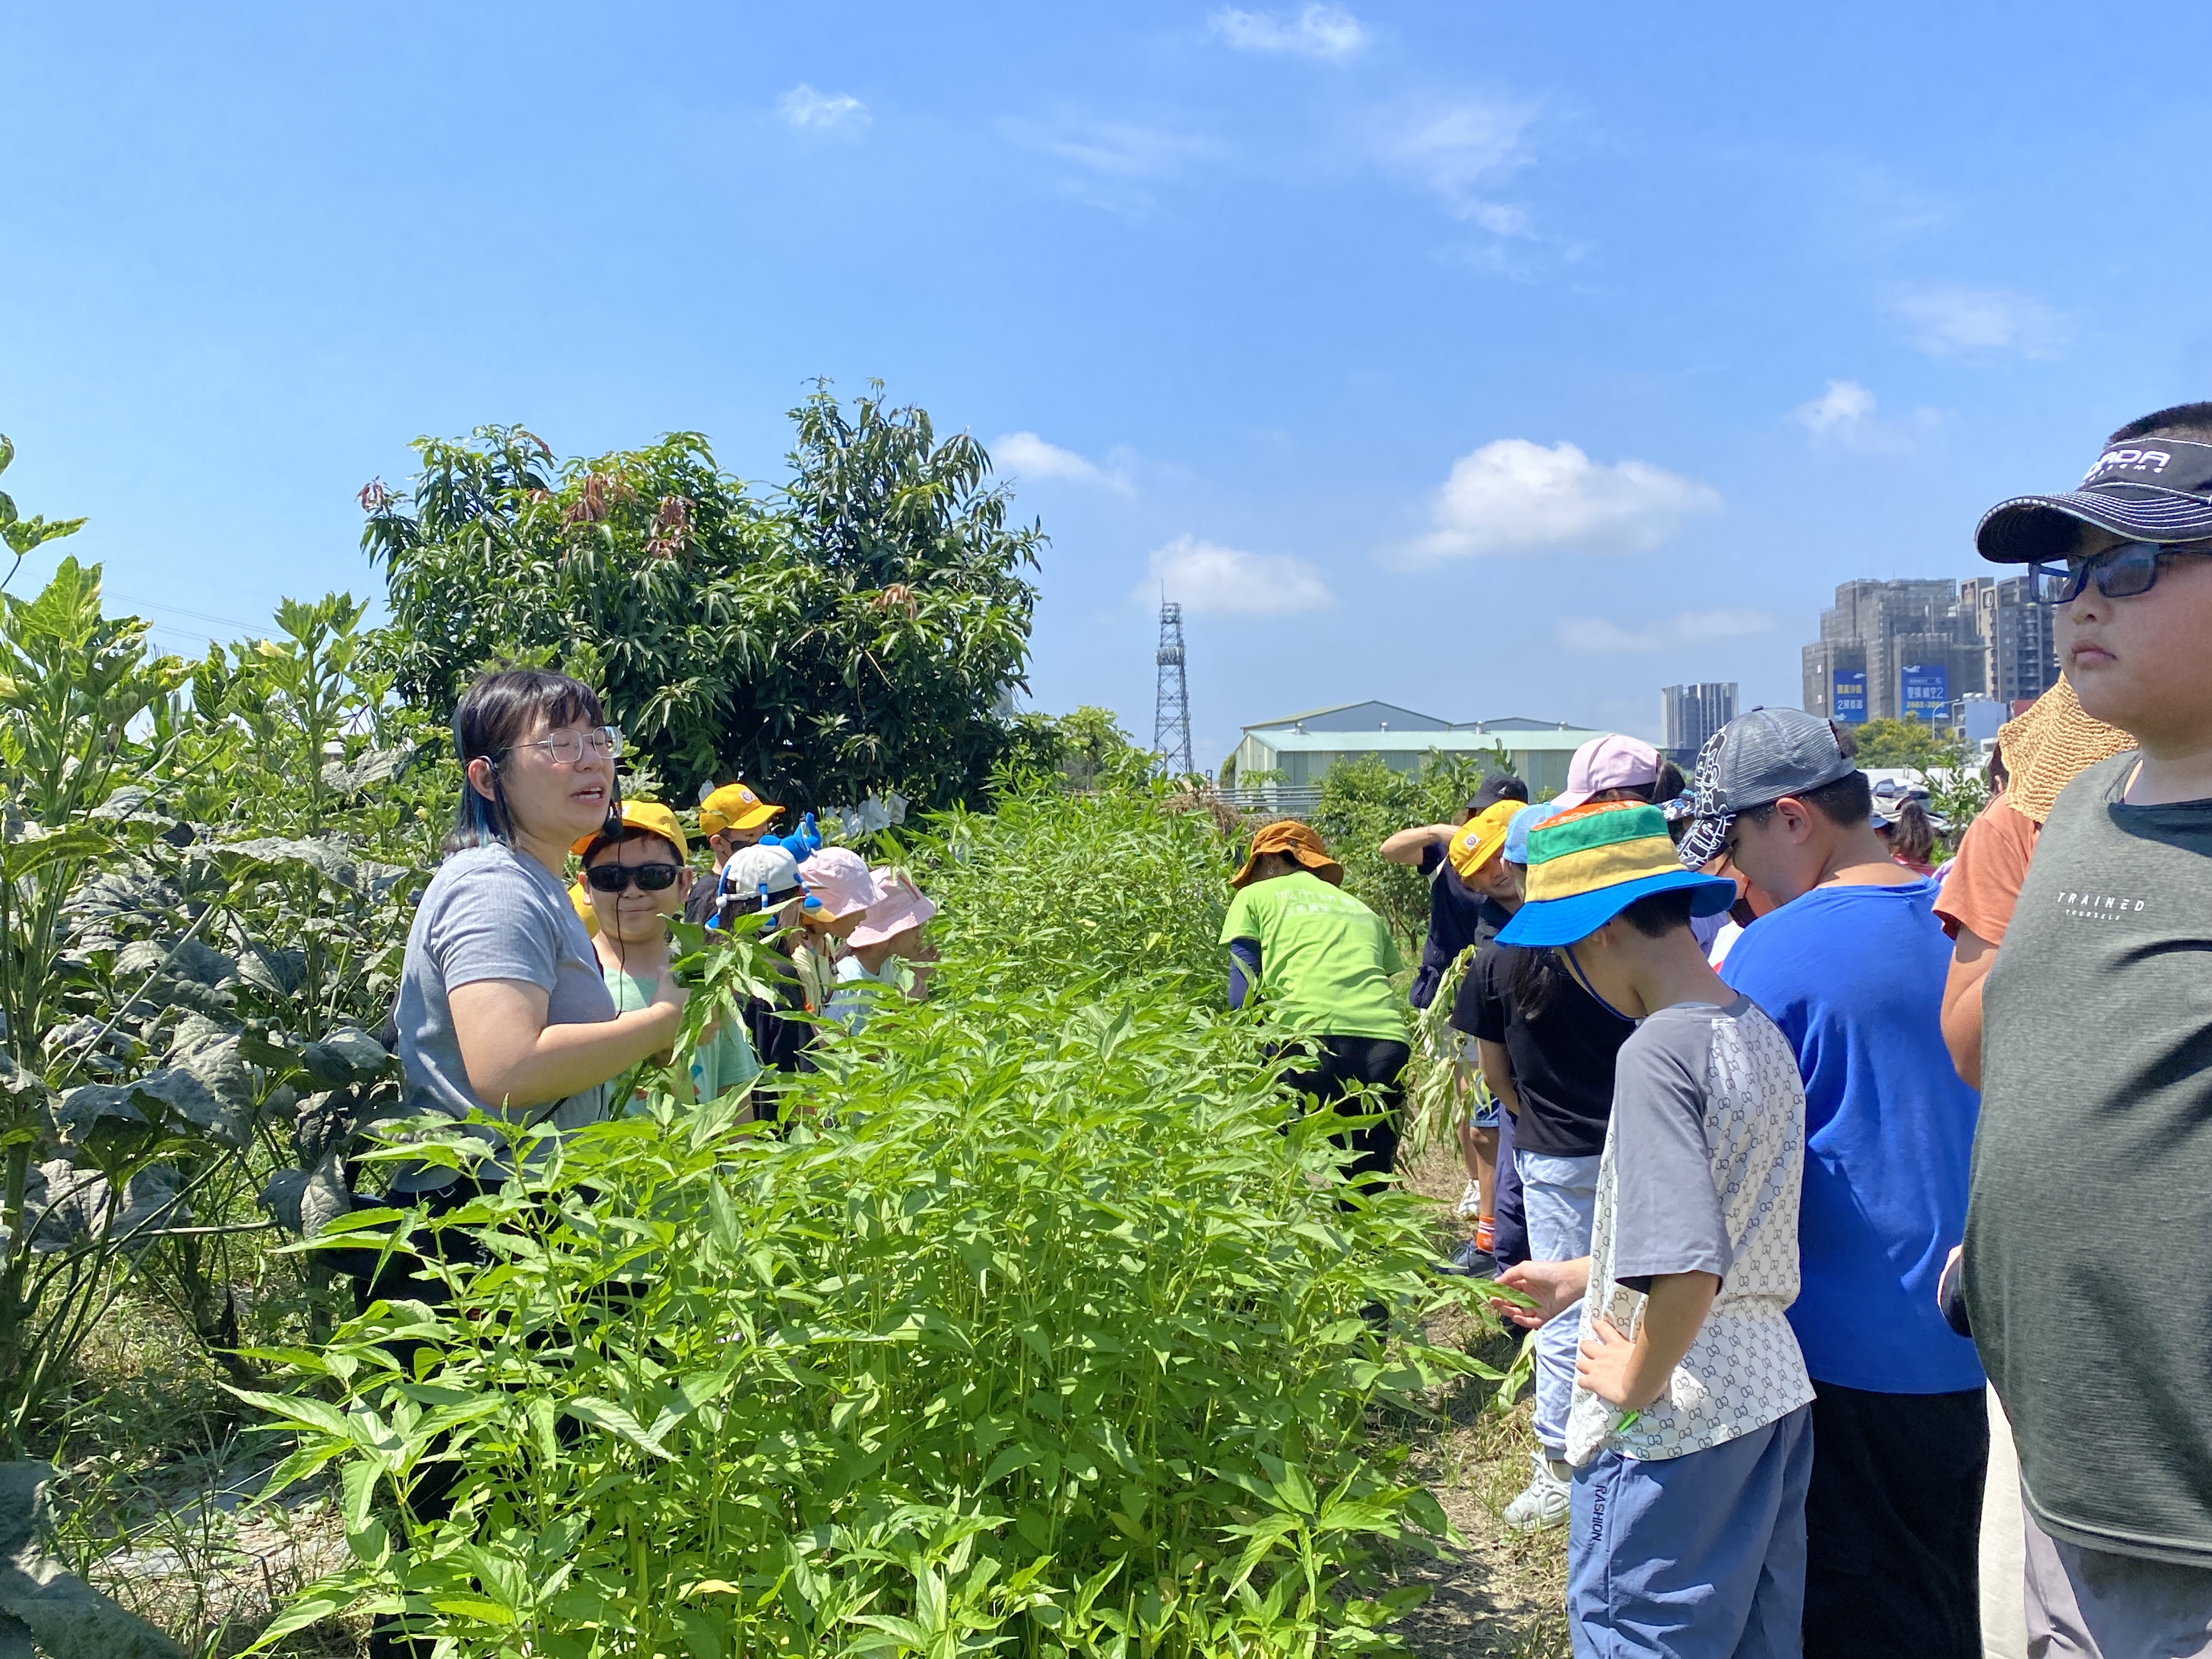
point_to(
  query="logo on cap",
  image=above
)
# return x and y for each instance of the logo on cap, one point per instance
(2153, 461)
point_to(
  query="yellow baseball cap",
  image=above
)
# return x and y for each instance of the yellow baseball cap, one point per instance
(734, 806)
(648, 815)
(1481, 837)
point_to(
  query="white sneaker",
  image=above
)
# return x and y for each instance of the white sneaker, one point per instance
(1544, 1502)
(1470, 1202)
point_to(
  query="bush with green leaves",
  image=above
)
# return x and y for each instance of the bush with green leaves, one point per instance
(1363, 801)
(1049, 1328)
(853, 632)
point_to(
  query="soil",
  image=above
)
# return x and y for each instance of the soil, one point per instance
(1502, 1595)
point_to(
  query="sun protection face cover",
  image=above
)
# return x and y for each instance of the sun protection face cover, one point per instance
(1608, 763)
(1754, 760)
(1588, 865)
(1480, 838)
(1288, 836)
(648, 815)
(734, 806)
(2149, 489)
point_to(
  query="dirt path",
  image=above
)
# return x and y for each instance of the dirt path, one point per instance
(1501, 1596)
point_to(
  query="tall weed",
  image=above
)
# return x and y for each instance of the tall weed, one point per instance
(1048, 1328)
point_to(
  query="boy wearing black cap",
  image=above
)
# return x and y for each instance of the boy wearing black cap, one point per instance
(1851, 968)
(2097, 1066)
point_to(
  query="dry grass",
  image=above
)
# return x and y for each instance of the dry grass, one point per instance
(155, 1475)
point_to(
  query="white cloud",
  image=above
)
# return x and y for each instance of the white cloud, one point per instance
(1844, 418)
(822, 112)
(1953, 321)
(1514, 496)
(1024, 454)
(1118, 155)
(1227, 581)
(1317, 31)
(1459, 151)
(1684, 628)
(1842, 407)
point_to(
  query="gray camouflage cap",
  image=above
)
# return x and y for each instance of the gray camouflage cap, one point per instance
(1754, 760)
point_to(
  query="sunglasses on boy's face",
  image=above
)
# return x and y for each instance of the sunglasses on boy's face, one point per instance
(2120, 573)
(650, 878)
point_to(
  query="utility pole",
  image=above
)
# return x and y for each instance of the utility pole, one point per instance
(1172, 707)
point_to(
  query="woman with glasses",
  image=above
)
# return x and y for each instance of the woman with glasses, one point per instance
(503, 1007)
(634, 875)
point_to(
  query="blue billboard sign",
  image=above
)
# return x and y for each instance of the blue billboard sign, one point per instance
(1926, 692)
(1847, 696)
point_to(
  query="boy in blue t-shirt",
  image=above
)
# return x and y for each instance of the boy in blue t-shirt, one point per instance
(1851, 968)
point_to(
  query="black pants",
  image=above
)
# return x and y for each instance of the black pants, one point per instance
(1337, 1064)
(1892, 1525)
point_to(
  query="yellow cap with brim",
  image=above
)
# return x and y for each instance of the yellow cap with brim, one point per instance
(646, 815)
(1481, 838)
(734, 806)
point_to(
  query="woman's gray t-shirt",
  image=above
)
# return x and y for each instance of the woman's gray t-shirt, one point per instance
(490, 913)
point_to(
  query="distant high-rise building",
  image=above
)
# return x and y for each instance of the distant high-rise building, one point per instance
(1887, 650)
(1694, 713)
(2020, 655)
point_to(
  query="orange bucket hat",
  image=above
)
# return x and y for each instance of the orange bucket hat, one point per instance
(1288, 836)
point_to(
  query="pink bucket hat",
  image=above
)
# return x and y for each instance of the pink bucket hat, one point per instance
(901, 907)
(839, 878)
(1608, 763)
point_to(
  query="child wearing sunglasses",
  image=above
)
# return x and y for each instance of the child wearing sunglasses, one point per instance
(635, 880)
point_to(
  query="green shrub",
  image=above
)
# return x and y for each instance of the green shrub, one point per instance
(1048, 1328)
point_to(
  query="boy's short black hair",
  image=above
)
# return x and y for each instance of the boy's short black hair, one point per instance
(2191, 421)
(1657, 915)
(1847, 801)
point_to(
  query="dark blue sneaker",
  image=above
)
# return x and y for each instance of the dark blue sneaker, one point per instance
(1471, 1261)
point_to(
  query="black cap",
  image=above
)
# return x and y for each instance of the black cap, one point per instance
(1497, 787)
(2148, 489)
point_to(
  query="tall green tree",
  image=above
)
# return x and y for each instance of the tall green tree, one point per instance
(850, 632)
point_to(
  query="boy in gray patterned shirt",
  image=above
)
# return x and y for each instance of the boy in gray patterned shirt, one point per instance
(1689, 1427)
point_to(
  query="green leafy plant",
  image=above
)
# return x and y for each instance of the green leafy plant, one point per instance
(21, 534)
(1363, 801)
(1046, 1328)
(1908, 743)
(851, 633)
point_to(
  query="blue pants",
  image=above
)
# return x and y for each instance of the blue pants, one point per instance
(1512, 1227)
(1696, 1557)
(1561, 1197)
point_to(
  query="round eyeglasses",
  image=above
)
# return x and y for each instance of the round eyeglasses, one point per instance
(2120, 573)
(569, 747)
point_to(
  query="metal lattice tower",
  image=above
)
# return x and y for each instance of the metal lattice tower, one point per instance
(1171, 707)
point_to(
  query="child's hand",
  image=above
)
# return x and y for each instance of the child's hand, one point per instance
(1556, 1286)
(1607, 1368)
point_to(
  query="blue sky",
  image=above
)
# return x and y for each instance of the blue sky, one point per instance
(1490, 360)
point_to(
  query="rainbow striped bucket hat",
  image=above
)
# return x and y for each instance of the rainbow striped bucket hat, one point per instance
(1587, 865)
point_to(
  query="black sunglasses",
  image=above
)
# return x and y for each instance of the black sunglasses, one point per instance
(2121, 573)
(650, 878)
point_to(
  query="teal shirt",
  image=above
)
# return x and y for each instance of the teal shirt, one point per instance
(728, 1062)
